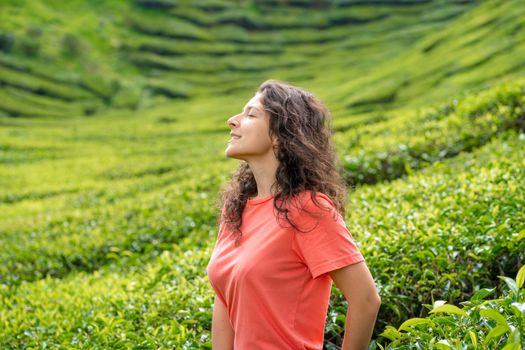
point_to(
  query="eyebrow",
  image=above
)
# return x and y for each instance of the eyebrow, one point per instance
(252, 107)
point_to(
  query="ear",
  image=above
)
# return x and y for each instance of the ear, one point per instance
(275, 142)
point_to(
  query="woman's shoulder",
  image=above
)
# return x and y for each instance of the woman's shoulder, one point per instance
(306, 213)
(308, 196)
(305, 200)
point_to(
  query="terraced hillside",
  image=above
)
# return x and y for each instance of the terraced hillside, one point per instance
(112, 133)
(83, 58)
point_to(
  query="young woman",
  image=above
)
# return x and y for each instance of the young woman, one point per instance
(282, 238)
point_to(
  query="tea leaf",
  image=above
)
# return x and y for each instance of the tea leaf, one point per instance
(449, 309)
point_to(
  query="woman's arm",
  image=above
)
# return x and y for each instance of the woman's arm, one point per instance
(358, 287)
(221, 329)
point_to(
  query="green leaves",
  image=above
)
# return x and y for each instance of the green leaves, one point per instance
(511, 284)
(488, 324)
(482, 293)
(520, 277)
(413, 322)
(391, 333)
(495, 315)
(496, 332)
(406, 143)
(449, 309)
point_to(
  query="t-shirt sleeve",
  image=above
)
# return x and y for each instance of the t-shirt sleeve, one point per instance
(327, 245)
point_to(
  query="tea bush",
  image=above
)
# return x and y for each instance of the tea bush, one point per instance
(107, 222)
(441, 233)
(401, 145)
(420, 245)
(162, 304)
(481, 324)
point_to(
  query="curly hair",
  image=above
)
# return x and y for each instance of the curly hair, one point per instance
(306, 155)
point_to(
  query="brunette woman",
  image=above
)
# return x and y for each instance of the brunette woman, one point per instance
(282, 238)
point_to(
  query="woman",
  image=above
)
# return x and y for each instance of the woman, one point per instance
(282, 238)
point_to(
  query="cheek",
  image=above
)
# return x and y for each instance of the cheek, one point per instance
(265, 141)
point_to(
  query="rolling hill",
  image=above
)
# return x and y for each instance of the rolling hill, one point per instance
(112, 133)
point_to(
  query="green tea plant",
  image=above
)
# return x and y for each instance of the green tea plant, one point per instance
(405, 143)
(110, 160)
(437, 234)
(482, 323)
(440, 233)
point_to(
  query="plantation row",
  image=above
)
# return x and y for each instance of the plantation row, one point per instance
(300, 26)
(31, 88)
(159, 44)
(441, 233)
(418, 253)
(164, 304)
(92, 230)
(83, 224)
(140, 56)
(446, 231)
(471, 51)
(407, 142)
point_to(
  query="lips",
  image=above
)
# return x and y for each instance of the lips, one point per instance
(234, 136)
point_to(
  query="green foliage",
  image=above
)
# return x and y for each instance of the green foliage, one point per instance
(444, 231)
(164, 304)
(107, 222)
(481, 323)
(6, 41)
(74, 240)
(72, 45)
(403, 144)
(145, 43)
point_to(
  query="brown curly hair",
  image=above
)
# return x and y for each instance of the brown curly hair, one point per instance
(306, 155)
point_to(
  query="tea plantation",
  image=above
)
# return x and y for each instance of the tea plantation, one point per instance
(112, 137)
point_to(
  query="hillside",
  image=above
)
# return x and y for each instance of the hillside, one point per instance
(112, 137)
(85, 57)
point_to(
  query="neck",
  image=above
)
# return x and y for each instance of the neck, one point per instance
(264, 171)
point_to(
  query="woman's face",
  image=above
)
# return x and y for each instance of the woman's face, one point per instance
(249, 132)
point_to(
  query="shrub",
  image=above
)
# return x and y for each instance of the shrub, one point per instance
(394, 148)
(481, 324)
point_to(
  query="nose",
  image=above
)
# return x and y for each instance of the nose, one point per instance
(232, 122)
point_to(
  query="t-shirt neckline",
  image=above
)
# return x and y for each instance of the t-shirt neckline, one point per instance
(255, 201)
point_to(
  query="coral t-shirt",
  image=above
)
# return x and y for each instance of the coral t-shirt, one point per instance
(275, 284)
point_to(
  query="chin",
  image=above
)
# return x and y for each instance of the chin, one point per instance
(230, 154)
(235, 156)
